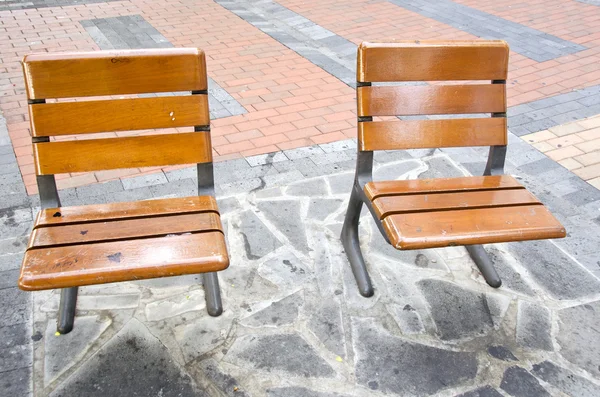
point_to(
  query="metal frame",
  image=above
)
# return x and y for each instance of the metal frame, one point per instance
(364, 175)
(49, 198)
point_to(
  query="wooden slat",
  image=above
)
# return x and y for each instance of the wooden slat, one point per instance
(432, 60)
(124, 210)
(114, 72)
(113, 153)
(124, 229)
(471, 226)
(389, 205)
(422, 100)
(422, 134)
(422, 186)
(68, 118)
(108, 262)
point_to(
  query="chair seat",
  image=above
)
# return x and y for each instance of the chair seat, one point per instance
(96, 244)
(442, 212)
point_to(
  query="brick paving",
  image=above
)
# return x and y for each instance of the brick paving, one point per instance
(576, 146)
(290, 64)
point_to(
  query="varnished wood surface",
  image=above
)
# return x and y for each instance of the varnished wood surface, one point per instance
(422, 134)
(124, 229)
(114, 72)
(125, 210)
(68, 118)
(107, 262)
(389, 205)
(432, 60)
(435, 99)
(447, 185)
(129, 152)
(419, 230)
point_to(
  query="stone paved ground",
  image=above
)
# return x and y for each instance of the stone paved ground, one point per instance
(294, 324)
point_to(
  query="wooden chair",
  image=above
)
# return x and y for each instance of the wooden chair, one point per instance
(95, 244)
(416, 214)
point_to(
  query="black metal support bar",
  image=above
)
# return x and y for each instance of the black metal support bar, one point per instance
(212, 294)
(49, 198)
(66, 310)
(212, 291)
(485, 265)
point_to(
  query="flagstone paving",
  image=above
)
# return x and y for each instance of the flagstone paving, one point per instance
(295, 325)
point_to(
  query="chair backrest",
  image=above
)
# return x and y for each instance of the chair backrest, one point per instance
(111, 74)
(433, 61)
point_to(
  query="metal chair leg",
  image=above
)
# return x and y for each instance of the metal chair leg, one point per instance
(212, 294)
(351, 245)
(66, 310)
(485, 265)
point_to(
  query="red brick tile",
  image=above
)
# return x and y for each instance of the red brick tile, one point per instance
(295, 144)
(241, 136)
(260, 150)
(234, 147)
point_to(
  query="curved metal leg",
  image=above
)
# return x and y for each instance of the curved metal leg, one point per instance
(66, 310)
(212, 294)
(352, 245)
(485, 265)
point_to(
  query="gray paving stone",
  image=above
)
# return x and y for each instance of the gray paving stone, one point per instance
(294, 154)
(326, 324)
(180, 188)
(184, 173)
(578, 335)
(134, 350)
(565, 380)
(486, 391)
(392, 365)
(285, 215)
(299, 392)
(510, 277)
(286, 271)
(14, 306)
(15, 357)
(16, 382)
(76, 343)
(281, 179)
(278, 313)
(320, 209)
(501, 353)
(175, 305)
(247, 185)
(9, 278)
(518, 382)
(228, 205)
(407, 318)
(441, 167)
(225, 382)
(98, 189)
(311, 188)
(534, 326)
(202, 334)
(338, 146)
(258, 240)
(341, 183)
(268, 158)
(553, 270)
(457, 312)
(287, 353)
(10, 262)
(144, 180)
(395, 171)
